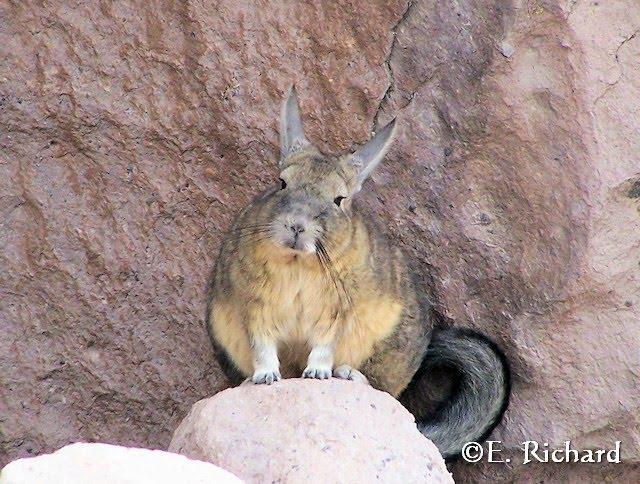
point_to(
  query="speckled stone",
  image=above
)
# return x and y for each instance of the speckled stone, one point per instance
(299, 430)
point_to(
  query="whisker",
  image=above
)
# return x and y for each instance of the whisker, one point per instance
(235, 249)
(248, 232)
(327, 273)
(246, 229)
(248, 235)
(250, 228)
(346, 293)
(337, 281)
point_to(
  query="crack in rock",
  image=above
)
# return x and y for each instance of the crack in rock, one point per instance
(387, 65)
(621, 70)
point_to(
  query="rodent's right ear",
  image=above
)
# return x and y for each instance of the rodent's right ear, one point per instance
(367, 157)
(292, 136)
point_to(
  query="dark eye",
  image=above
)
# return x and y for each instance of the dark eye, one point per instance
(338, 200)
(283, 184)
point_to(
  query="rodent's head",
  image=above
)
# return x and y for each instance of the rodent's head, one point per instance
(311, 203)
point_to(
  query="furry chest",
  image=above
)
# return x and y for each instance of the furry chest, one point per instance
(298, 303)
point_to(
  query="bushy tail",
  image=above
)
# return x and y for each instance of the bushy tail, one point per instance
(475, 402)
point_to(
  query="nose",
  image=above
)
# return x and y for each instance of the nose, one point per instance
(297, 228)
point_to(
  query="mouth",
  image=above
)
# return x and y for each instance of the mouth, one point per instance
(302, 247)
(299, 245)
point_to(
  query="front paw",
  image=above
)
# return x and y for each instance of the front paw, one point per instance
(265, 377)
(318, 372)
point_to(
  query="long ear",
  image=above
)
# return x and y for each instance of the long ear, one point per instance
(292, 136)
(367, 157)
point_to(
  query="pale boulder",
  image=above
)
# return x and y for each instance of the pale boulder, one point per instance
(83, 463)
(310, 431)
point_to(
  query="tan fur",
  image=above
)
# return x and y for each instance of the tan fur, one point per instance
(302, 306)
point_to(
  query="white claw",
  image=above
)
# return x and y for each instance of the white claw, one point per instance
(319, 373)
(265, 377)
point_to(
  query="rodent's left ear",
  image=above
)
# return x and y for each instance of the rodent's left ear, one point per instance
(292, 136)
(367, 157)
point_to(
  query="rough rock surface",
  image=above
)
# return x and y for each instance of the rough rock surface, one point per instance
(111, 464)
(310, 431)
(132, 132)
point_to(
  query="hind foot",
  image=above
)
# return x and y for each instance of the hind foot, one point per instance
(345, 372)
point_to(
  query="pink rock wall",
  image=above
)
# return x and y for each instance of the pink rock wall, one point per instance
(132, 132)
